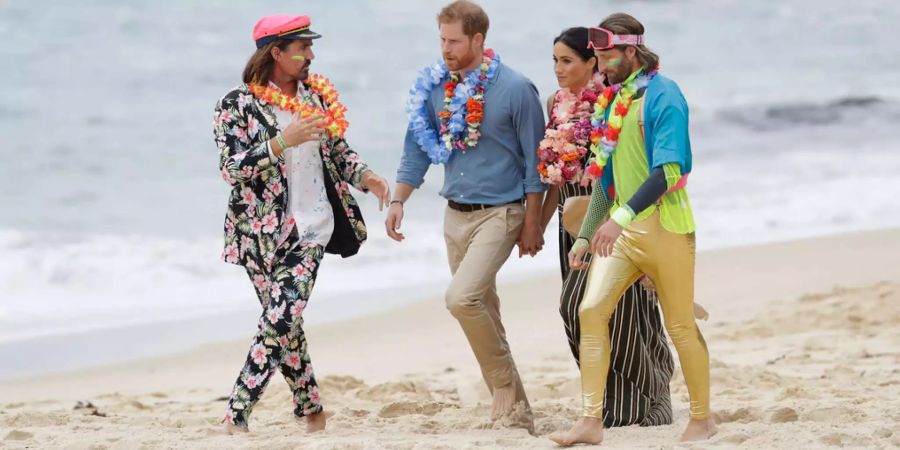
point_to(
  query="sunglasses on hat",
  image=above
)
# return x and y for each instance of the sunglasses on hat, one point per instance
(603, 39)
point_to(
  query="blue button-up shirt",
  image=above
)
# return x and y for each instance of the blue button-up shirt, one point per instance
(502, 167)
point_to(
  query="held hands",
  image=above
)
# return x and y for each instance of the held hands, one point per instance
(378, 186)
(531, 239)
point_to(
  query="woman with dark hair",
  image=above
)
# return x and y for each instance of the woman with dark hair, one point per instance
(638, 382)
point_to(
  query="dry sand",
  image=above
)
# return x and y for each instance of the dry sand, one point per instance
(804, 343)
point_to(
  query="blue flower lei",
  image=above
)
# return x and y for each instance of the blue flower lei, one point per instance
(437, 149)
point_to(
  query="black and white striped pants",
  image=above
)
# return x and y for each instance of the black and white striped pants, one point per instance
(641, 365)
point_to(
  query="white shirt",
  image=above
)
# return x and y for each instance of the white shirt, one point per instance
(308, 201)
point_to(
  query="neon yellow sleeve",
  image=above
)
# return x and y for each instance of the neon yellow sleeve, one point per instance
(673, 174)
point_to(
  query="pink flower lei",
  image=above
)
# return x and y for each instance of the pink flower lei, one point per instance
(568, 134)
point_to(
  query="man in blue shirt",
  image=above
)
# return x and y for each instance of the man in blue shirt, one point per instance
(490, 169)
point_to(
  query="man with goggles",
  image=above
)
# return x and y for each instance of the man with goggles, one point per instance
(643, 156)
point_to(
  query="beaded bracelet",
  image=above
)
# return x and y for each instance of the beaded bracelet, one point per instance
(280, 140)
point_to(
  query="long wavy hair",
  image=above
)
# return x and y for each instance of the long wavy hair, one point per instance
(261, 64)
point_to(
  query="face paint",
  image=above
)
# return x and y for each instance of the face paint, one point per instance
(298, 58)
(615, 62)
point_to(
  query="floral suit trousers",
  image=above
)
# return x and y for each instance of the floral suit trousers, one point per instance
(280, 342)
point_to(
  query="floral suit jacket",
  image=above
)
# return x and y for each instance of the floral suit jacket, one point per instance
(258, 202)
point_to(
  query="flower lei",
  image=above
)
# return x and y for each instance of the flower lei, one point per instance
(463, 108)
(605, 135)
(568, 134)
(334, 115)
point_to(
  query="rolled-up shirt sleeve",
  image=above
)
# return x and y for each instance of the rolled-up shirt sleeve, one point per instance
(528, 119)
(414, 162)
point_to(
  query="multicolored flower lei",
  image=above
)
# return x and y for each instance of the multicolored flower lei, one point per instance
(568, 134)
(463, 109)
(334, 115)
(605, 135)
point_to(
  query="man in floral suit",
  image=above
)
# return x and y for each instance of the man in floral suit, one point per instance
(281, 148)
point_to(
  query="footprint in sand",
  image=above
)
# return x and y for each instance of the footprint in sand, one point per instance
(18, 435)
(784, 415)
(735, 439)
(357, 412)
(833, 414)
(796, 392)
(842, 439)
(134, 405)
(813, 298)
(742, 415)
(341, 383)
(430, 427)
(402, 389)
(398, 409)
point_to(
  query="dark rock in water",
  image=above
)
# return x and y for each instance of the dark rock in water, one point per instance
(812, 114)
(857, 102)
(803, 114)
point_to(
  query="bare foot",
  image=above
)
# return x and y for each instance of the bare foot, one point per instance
(699, 430)
(230, 429)
(504, 398)
(316, 422)
(588, 430)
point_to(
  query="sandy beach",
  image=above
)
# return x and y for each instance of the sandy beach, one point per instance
(121, 328)
(803, 339)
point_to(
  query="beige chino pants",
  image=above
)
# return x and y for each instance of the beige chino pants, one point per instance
(478, 243)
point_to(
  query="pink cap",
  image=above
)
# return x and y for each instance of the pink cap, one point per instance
(282, 26)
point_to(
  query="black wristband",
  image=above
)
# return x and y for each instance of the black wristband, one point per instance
(396, 201)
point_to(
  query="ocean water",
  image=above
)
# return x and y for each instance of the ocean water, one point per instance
(112, 204)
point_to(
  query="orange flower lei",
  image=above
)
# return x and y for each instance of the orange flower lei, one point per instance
(474, 106)
(335, 120)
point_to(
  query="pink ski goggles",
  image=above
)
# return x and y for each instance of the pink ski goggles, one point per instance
(603, 39)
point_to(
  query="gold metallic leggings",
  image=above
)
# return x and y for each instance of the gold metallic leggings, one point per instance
(668, 259)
